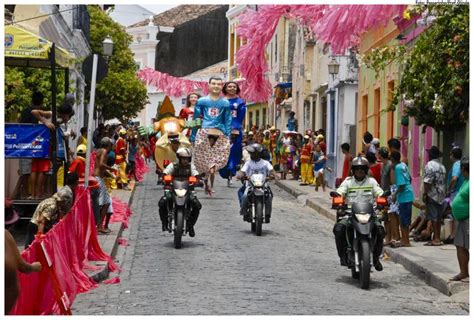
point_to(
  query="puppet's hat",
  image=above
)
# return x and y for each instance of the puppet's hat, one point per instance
(167, 107)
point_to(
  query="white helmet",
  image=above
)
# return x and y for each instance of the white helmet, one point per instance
(184, 152)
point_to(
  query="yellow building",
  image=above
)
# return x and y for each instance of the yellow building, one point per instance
(376, 92)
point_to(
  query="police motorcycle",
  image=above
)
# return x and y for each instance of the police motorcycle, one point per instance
(178, 197)
(258, 194)
(359, 234)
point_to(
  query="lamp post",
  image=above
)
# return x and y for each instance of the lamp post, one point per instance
(333, 68)
(108, 47)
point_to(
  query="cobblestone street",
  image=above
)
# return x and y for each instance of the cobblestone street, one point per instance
(292, 268)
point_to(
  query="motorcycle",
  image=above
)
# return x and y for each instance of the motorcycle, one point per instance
(359, 234)
(178, 198)
(258, 192)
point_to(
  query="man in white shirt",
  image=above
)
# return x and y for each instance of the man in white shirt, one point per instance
(256, 165)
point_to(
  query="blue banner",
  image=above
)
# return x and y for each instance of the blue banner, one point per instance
(61, 144)
(27, 140)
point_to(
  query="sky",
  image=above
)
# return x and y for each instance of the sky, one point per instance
(156, 9)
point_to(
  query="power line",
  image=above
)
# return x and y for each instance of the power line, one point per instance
(44, 15)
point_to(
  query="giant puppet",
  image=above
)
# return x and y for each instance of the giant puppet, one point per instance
(238, 109)
(211, 142)
(170, 129)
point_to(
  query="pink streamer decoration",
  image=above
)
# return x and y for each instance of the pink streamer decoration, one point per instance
(338, 25)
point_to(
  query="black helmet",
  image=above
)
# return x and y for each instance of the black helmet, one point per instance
(360, 162)
(255, 151)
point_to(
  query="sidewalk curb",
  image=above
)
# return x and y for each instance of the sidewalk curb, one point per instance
(111, 245)
(433, 279)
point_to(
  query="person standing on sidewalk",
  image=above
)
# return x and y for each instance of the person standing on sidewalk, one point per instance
(102, 170)
(434, 193)
(346, 169)
(460, 207)
(392, 223)
(454, 183)
(403, 195)
(120, 160)
(305, 158)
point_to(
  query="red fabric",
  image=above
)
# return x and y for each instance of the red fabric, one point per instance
(78, 166)
(140, 167)
(306, 153)
(376, 172)
(120, 145)
(323, 146)
(346, 167)
(122, 212)
(186, 114)
(69, 244)
(40, 165)
(112, 281)
(123, 242)
(92, 162)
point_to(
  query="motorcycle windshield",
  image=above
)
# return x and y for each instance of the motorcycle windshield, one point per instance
(183, 184)
(362, 207)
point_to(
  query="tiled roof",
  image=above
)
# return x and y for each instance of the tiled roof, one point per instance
(178, 15)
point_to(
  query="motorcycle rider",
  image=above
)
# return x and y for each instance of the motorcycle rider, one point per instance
(253, 166)
(181, 170)
(359, 188)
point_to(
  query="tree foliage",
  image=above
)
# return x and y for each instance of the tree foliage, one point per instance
(20, 83)
(121, 94)
(434, 84)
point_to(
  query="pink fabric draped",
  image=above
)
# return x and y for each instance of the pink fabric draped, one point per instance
(140, 167)
(69, 245)
(121, 213)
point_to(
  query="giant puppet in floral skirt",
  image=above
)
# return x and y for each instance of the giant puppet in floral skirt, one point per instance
(207, 153)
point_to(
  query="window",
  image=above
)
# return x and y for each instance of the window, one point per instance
(276, 48)
(377, 113)
(250, 120)
(264, 117)
(257, 118)
(391, 89)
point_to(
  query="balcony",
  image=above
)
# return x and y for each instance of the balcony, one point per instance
(81, 20)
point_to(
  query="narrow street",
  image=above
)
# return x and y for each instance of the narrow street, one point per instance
(292, 268)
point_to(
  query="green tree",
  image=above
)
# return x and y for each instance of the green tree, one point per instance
(20, 83)
(435, 78)
(121, 94)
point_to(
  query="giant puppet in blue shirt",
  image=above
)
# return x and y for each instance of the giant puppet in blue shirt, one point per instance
(214, 113)
(238, 110)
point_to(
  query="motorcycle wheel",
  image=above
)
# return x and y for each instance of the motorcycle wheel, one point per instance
(178, 232)
(364, 264)
(258, 217)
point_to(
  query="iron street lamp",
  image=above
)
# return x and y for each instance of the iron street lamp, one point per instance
(333, 67)
(108, 46)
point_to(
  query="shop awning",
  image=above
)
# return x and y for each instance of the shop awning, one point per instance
(24, 48)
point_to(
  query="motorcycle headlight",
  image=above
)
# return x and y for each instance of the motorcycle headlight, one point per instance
(180, 192)
(257, 180)
(363, 217)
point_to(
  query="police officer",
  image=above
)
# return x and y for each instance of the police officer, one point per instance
(359, 188)
(181, 170)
